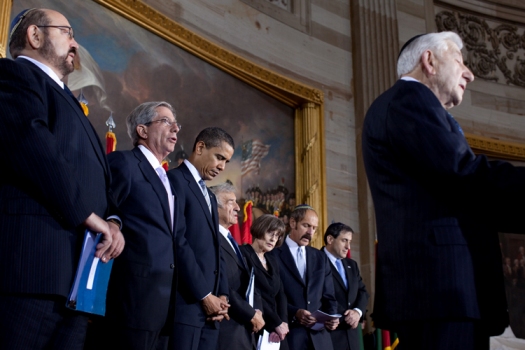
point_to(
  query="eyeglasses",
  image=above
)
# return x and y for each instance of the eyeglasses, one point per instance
(165, 121)
(64, 29)
(274, 235)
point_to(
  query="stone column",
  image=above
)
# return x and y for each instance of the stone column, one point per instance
(374, 54)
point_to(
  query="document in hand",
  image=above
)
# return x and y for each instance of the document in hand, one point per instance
(321, 318)
(251, 288)
(265, 343)
(88, 293)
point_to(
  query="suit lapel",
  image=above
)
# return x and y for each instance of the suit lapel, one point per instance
(228, 248)
(349, 274)
(153, 178)
(289, 262)
(90, 131)
(311, 261)
(197, 192)
(337, 276)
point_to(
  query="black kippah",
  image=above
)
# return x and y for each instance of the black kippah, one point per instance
(17, 20)
(408, 43)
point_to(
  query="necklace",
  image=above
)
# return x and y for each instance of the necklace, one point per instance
(263, 259)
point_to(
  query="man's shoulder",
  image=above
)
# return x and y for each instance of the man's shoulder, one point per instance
(20, 71)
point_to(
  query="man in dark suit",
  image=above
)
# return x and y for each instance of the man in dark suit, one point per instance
(140, 289)
(350, 291)
(438, 206)
(307, 280)
(53, 186)
(202, 291)
(237, 332)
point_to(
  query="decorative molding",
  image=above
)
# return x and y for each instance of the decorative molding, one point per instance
(259, 76)
(294, 13)
(495, 51)
(5, 15)
(310, 157)
(496, 148)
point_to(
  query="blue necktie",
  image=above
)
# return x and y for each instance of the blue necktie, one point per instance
(454, 122)
(66, 89)
(341, 271)
(301, 263)
(236, 248)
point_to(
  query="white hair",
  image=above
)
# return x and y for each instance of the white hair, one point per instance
(410, 57)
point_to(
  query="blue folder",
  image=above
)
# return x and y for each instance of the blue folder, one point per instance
(88, 293)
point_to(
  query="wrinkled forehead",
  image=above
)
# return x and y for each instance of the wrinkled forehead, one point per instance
(56, 18)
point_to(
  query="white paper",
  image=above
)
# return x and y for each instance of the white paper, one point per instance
(251, 288)
(265, 344)
(321, 318)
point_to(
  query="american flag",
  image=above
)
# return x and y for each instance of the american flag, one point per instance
(252, 153)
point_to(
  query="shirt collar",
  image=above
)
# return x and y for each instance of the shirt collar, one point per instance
(410, 79)
(150, 157)
(291, 243)
(193, 170)
(46, 70)
(224, 231)
(331, 257)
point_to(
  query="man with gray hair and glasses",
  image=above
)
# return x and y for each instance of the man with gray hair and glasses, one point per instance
(54, 185)
(439, 207)
(140, 302)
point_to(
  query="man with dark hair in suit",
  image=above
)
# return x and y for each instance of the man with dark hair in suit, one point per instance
(438, 206)
(307, 279)
(54, 185)
(141, 289)
(237, 332)
(350, 291)
(202, 290)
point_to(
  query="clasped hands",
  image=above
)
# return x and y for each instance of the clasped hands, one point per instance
(280, 333)
(306, 319)
(216, 308)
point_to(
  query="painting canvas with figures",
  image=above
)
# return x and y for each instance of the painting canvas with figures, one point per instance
(122, 65)
(513, 264)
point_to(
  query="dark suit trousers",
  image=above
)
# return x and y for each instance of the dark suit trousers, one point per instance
(194, 338)
(40, 322)
(461, 335)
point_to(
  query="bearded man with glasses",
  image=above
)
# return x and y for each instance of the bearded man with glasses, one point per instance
(54, 186)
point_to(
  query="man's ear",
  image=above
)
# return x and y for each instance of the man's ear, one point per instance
(429, 61)
(142, 131)
(35, 37)
(329, 239)
(199, 147)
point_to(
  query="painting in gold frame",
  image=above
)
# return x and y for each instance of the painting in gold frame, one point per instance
(304, 102)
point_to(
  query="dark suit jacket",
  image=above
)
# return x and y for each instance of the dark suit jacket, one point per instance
(269, 285)
(54, 175)
(317, 293)
(141, 279)
(199, 265)
(355, 296)
(438, 209)
(237, 332)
